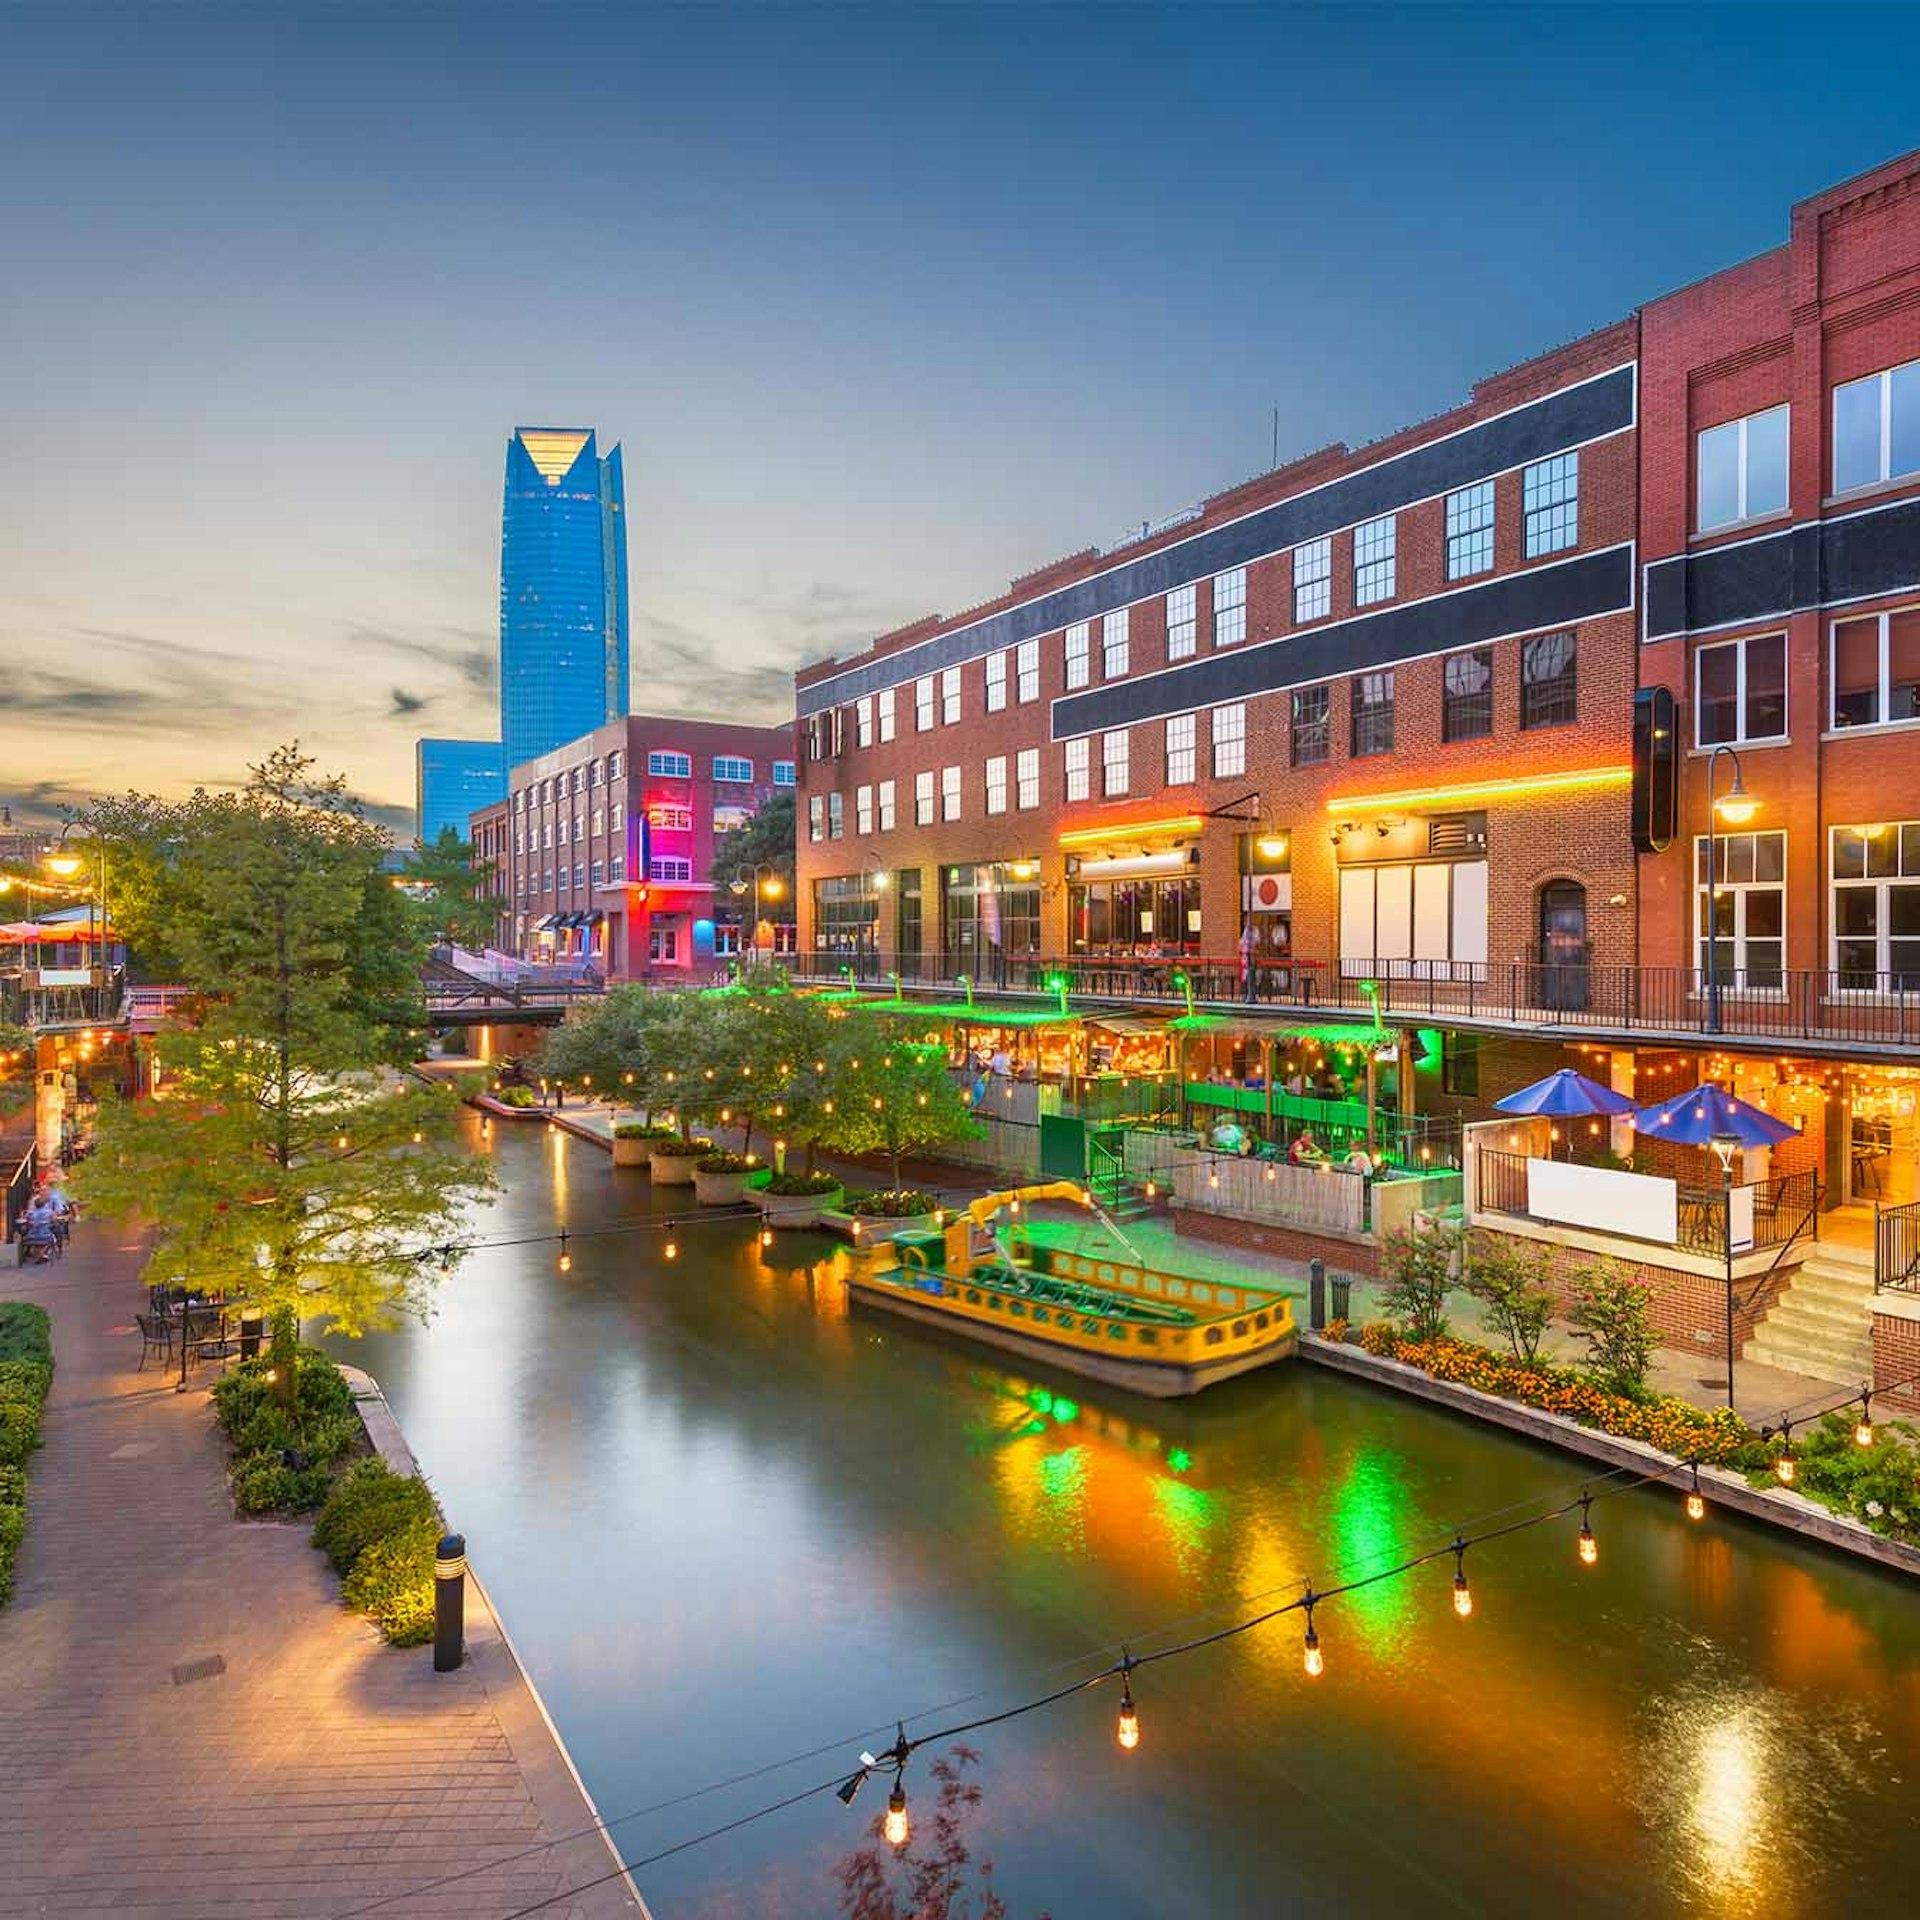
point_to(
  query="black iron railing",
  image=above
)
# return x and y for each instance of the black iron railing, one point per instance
(1896, 1247)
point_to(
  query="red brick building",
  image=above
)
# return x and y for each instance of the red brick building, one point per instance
(603, 849)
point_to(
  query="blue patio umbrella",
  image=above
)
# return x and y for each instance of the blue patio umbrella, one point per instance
(1698, 1115)
(1563, 1093)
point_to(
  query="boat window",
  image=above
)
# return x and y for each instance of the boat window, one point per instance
(1199, 1295)
(1152, 1283)
(1147, 1337)
(993, 1302)
(1115, 1331)
(1018, 1308)
(1128, 1277)
(973, 1296)
(1239, 1329)
(1176, 1289)
(1090, 1325)
(1106, 1271)
(1259, 1319)
(1214, 1336)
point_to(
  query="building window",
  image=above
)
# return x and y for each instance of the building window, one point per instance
(1113, 644)
(1113, 764)
(863, 811)
(675, 867)
(923, 705)
(1372, 696)
(726, 940)
(1750, 907)
(1311, 728)
(1876, 427)
(987, 918)
(735, 772)
(816, 816)
(923, 799)
(950, 697)
(1026, 662)
(783, 773)
(1183, 623)
(670, 766)
(997, 784)
(949, 793)
(1550, 504)
(1312, 581)
(663, 943)
(862, 722)
(1230, 741)
(613, 766)
(617, 869)
(886, 806)
(670, 819)
(1740, 691)
(1466, 705)
(1230, 607)
(1876, 906)
(887, 705)
(1181, 767)
(1373, 561)
(836, 816)
(1876, 669)
(1078, 763)
(1470, 531)
(996, 682)
(1549, 693)
(599, 873)
(1026, 777)
(1079, 643)
(1740, 469)
(1428, 915)
(1126, 916)
(617, 813)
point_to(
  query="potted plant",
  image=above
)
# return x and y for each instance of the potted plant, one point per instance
(890, 1210)
(671, 1161)
(798, 1199)
(720, 1179)
(634, 1141)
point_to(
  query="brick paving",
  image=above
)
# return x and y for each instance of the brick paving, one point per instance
(190, 1725)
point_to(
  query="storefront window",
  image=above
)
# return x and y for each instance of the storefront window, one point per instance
(1135, 916)
(987, 919)
(845, 913)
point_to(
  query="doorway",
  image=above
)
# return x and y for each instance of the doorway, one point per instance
(1563, 946)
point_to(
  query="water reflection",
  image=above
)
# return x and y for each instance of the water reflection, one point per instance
(729, 1518)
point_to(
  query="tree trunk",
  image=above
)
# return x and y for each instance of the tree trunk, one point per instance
(283, 1353)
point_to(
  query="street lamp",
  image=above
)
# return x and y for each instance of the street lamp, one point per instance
(765, 884)
(874, 880)
(1725, 1146)
(64, 865)
(1736, 807)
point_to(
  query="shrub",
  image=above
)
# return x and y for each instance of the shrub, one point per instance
(25, 1332)
(26, 1374)
(368, 1502)
(725, 1163)
(790, 1183)
(1420, 1269)
(1510, 1276)
(892, 1203)
(672, 1147)
(303, 1440)
(391, 1564)
(13, 1486)
(266, 1483)
(517, 1097)
(19, 1430)
(1337, 1330)
(407, 1619)
(1878, 1485)
(1615, 1313)
(13, 1524)
(643, 1130)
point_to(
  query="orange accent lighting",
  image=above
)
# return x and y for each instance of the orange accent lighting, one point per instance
(1130, 830)
(1522, 788)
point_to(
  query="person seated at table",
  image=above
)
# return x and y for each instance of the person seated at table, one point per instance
(1026, 1070)
(1359, 1159)
(1002, 1064)
(1297, 1084)
(1305, 1148)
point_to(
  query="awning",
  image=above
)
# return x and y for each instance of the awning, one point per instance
(1129, 1023)
(547, 925)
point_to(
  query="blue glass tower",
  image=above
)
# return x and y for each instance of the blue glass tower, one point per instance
(563, 591)
(452, 779)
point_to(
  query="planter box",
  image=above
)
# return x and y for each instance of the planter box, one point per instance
(720, 1189)
(672, 1169)
(799, 1209)
(871, 1229)
(631, 1153)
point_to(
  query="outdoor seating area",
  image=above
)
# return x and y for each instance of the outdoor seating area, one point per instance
(183, 1328)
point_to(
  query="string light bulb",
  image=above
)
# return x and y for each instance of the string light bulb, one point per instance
(1462, 1593)
(1786, 1469)
(1589, 1547)
(1696, 1500)
(341, 1143)
(766, 1236)
(897, 1829)
(672, 1248)
(566, 1258)
(1127, 1730)
(1311, 1659)
(1863, 1427)
(417, 1136)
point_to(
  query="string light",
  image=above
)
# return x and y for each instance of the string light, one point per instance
(766, 1236)
(1311, 1659)
(672, 1247)
(1696, 1500)
(897, 1828)
(341, 1143)
(417, 1136)
(1462, 1593)
(1127, 1731)
(1785, 1469)
(566, 1258)
(1589, 1547)
(1863, 1427)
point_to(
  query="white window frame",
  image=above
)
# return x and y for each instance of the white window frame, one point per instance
(1879, 884)
(1230, 607)
(923, 704)
(1077, 764)
(863, 811)
(836, 816)
(1026, 659)
(949, 793)
(1741, 430)
(1312, 580)
(1115, 644)
(950, 696)
(1906, 370)
(1115, 768)
(1229, 744)
(1376, 550)
(1736, 979)
(997, 682)
(732, 770)
(1741, 737)
(1183, 622)
(668, 765)
(1470, 518)
(1884, 703)
(670, 869)
(997, 783)
(886, 798)
(1550, 505)
(923, 798)
(863, 721)
(783, 773)
(1183, 760)
(1077, 654)
(1026, 778)
(886, 714)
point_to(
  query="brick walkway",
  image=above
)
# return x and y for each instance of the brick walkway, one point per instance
(191, 1727)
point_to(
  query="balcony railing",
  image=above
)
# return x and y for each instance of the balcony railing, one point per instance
(1799, 1004)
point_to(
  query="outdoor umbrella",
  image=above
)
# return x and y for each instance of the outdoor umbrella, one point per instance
(1565, 1092)
(1695, 1117)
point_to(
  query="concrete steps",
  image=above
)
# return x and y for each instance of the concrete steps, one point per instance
(1822, 1325)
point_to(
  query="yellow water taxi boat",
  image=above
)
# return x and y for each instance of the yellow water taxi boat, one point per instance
(1107, 1316)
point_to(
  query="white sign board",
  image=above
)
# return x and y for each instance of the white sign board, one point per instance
(1634, 1204)
(1742, 1214)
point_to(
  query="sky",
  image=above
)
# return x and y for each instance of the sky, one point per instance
(886, 305)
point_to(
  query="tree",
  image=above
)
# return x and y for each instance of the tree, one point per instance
(1615, 1313)
(1420, 1268)
(450, 892)
(1510, 1277)
(767, 840)
(890, 1095)
(279, 1159)
(617, 1042)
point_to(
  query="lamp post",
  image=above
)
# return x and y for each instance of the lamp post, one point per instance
(764, 883)
(1725, 1146)
(1736, 807)
(874, 880)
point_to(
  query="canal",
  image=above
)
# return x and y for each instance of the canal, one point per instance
(728, 1522)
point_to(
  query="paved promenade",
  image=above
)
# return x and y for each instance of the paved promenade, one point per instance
(192, 1728)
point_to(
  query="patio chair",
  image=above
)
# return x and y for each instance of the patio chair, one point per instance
(156, 1331)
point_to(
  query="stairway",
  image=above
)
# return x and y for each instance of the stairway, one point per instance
(1822, 1325)
(1120, 1197)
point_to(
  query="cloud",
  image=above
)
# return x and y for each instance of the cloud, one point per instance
(405, 704)
(472, 656)
(33, 690)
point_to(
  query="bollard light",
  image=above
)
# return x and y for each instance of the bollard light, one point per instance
(449, 1602)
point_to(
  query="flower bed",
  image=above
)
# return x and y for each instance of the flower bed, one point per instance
(720, 1179)
(635, 1140)
(1877, 1485)
(672, 1160)
(798, 1199)
(1674, 1426)
(26, 1374)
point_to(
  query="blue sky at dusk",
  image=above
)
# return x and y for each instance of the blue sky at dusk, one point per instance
(886, 305)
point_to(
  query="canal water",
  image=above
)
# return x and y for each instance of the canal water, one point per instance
(729, 1522)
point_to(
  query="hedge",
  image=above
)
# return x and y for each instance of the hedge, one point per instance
(380, 1529)
(285, 1457)
(26, 1374)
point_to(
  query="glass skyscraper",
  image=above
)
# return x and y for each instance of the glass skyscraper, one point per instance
(455, 778)
(563, 591)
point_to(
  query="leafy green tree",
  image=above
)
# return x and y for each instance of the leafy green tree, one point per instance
(1614, 1311)
(279, 1159)
(617, 1043)
(1509, 1277)
(767, 840)
(450, 892)
(889, 1095)
(1419, 1268)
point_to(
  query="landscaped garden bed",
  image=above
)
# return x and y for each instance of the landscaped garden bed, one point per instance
(635, 1140)
(720, 1179)
(672, 1160)
(881, 1214)
(26, 1375)
(799, 1199)
(380, 1529)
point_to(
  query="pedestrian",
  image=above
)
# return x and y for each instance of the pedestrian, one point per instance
(1249, 973)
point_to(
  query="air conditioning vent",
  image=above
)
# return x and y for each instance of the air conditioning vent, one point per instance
(1457, 833)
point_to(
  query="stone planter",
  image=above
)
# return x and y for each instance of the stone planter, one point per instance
(719, 1189)
(671, 1169)
(871, 1228)
(799, 1209)
(632, 1153)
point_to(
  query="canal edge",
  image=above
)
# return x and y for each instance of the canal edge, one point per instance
(503, 1674)
(1785, 1510)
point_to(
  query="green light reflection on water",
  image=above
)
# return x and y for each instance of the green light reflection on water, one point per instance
(1368, 1533)
(1188, 1514)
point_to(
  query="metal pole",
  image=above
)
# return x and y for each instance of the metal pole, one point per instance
(449, 1602)
(1726, 1240)
(1713, 911)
